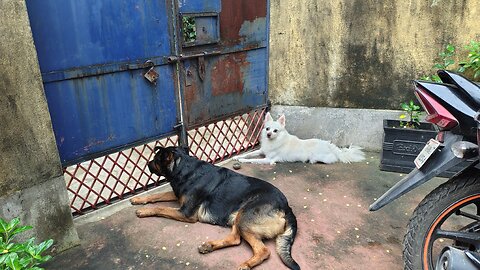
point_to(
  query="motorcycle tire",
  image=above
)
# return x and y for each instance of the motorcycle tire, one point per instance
(437, 206)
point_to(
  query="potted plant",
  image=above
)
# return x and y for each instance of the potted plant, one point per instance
(403, 139)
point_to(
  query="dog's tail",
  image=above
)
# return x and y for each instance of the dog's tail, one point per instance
(350, 154)
(285, 241)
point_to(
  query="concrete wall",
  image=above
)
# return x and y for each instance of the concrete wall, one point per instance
(31, 180)
(360, 53)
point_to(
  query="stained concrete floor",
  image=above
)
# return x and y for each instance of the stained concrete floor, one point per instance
(335, 228)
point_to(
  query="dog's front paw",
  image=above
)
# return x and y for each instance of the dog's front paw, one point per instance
(272, 163)
(136, 201)
(244, 267)
(205, 248)
(143, 213)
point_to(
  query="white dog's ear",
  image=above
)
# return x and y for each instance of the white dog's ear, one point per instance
(281, 120)
(268, 117)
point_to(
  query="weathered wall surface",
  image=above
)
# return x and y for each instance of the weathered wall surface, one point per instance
(29, 153)
(360, 53)
(31, 181)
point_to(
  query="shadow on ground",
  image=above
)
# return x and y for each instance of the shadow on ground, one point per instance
(336, 230)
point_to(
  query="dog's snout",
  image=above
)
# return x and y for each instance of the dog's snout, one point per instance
(269, 135)
(151, 167)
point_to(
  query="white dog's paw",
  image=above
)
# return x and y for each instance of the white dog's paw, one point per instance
(236, 158)
(272, 162)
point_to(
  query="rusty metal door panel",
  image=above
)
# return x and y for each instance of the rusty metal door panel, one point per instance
(229, 76)
(93, 56)
(233, 83)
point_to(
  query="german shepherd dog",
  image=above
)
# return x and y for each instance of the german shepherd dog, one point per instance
(254, 208)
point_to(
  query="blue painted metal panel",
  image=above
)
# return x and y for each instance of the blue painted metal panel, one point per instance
(192, 6)
(96, 114)
(77, 33)
(92, 56)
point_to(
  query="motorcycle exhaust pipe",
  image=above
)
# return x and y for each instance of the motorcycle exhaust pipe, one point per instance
(455, 259)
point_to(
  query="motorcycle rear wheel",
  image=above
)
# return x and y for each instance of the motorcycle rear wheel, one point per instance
(456, 200)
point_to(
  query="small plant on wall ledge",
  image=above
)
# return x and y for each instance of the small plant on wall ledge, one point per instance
(20, 256)
(445, 60)
(411, 113)
(469, 67)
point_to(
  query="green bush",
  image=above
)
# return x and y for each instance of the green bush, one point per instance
(472, 64)
(470, 67)
(444, 61)
(19, 256)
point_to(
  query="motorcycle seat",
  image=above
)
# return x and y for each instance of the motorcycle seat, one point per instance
(470, 88)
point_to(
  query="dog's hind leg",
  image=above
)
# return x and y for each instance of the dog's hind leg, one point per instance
(233, 239)
(258, 161)
(260, 251)
(167, 212)
(249, 155)
(158, 197)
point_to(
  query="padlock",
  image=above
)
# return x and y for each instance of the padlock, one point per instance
(151, 75)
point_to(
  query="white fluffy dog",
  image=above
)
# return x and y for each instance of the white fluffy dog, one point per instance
(277, 145)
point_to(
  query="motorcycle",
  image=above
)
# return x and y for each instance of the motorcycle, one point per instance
(444, 230)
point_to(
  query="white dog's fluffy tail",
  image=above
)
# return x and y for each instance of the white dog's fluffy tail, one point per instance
(350, 154)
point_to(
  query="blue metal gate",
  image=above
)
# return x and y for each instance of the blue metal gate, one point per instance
(122, 73)
(93, 55)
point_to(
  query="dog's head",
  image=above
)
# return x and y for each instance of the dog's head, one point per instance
(165, 160)
(272, 129)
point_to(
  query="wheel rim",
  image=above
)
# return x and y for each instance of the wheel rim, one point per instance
(436, 233)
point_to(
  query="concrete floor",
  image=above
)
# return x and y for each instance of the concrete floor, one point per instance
(335, 228)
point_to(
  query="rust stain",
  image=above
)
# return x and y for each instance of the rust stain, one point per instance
(191, 92)
(227, 76)
(235, 13)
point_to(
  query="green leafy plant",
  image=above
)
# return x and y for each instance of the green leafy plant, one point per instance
(20, 256)
(412, 114)
(472, 64)
(189, 29)
(445, 60)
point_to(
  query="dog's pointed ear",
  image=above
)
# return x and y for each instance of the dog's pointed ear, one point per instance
(281, 120)
(268, 117)
(156, 148)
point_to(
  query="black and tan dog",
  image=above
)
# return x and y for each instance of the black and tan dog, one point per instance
(254, 209)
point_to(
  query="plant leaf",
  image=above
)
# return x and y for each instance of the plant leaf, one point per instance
(43, 246)
(3, 226)
(13, 224)
(450, 48)
(12, 261)
(21, 229)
